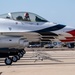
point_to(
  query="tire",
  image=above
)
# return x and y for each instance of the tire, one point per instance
(24, 51)
(8, 61)
(20, 54)
(18, 57)
(14, 59)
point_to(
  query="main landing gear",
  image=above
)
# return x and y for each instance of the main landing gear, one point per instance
(15, 58)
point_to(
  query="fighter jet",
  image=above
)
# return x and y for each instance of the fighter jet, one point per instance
(18, 28)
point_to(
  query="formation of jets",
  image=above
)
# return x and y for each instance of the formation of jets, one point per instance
(18, 28)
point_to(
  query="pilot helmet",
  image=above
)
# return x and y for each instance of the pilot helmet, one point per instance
(26, 14)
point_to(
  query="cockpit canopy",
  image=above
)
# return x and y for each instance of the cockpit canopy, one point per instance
(23, 16)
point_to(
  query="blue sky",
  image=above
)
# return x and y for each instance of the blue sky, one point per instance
(58, 11)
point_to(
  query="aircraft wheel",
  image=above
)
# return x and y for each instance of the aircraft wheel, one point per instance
(18, 57)
(24, 51)
(8, 61)
(14, 59)
(20, 54)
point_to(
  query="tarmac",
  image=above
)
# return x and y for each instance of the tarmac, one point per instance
(38, 62)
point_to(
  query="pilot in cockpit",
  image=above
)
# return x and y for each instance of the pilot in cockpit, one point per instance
(26, 17)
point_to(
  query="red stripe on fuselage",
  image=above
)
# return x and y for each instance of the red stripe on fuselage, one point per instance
(67, 40)
(70, 37)
(72, 32)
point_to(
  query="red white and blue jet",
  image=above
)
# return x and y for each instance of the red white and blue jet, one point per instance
(17, 28)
